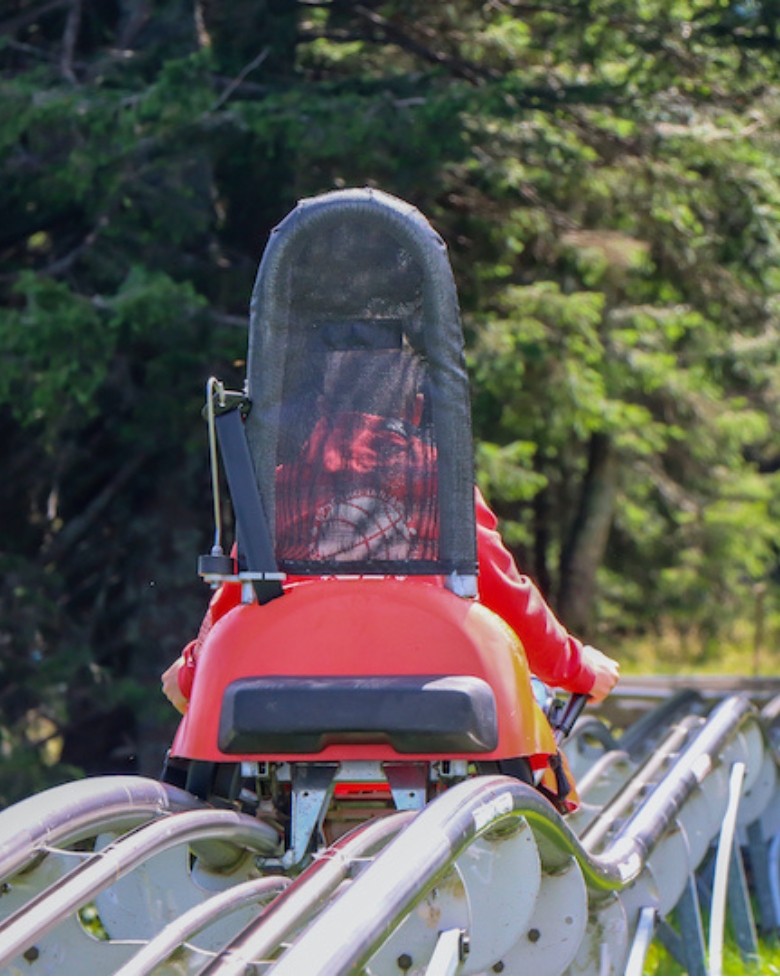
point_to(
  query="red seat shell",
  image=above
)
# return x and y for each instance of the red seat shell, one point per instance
(364, 627)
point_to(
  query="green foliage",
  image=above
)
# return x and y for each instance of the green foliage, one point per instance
(56, 352)
(606, 176)
(660, 963)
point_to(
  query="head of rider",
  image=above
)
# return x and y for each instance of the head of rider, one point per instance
(363, 486)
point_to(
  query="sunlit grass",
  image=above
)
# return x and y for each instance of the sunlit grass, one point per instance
(660, 963)
(672, 652)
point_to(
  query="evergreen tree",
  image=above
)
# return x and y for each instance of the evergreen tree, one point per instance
(605, 174)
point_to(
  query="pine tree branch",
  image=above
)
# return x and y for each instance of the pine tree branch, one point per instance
(394, 35)
(230, 89)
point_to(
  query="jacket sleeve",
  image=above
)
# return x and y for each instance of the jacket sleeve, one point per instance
(227, 597)
(554, 656)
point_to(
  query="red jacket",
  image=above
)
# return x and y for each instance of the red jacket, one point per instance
(553, 655)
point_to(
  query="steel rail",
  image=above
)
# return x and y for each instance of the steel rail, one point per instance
(645, 729)
(55, 903)
(600, 770)
(305, 896)
(589, 727)
(628, 851)
(354, 926)
(643, 777)
(708, 686)
(349, 931)
(769, 718)
(189, 924)
(65, 814)
(771, 710)
(358, 920)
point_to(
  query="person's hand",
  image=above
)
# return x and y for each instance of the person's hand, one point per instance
(170, 686)
(606, 669)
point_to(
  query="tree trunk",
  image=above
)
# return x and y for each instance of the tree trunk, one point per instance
(587, 541)
(541, 533)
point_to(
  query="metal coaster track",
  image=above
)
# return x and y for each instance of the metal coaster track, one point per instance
(487, 878)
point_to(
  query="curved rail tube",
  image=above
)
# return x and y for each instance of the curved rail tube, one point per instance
(64, 814)
(343, 938)
(311, 890)
(20, 930)
(190, 924)
(358, 920)
(346, 934)
(627, 853)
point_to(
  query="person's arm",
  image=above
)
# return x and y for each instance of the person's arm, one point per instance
(554, 656)
(177, 680)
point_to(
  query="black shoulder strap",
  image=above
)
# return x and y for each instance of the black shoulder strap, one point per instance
(253, 531)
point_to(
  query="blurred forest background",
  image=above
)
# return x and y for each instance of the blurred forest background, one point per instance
(607, 176)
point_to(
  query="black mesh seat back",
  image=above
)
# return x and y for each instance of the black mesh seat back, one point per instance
(360, 422)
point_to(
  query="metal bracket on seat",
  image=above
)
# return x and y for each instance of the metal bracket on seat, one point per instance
(312, 787)
(408, 784)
